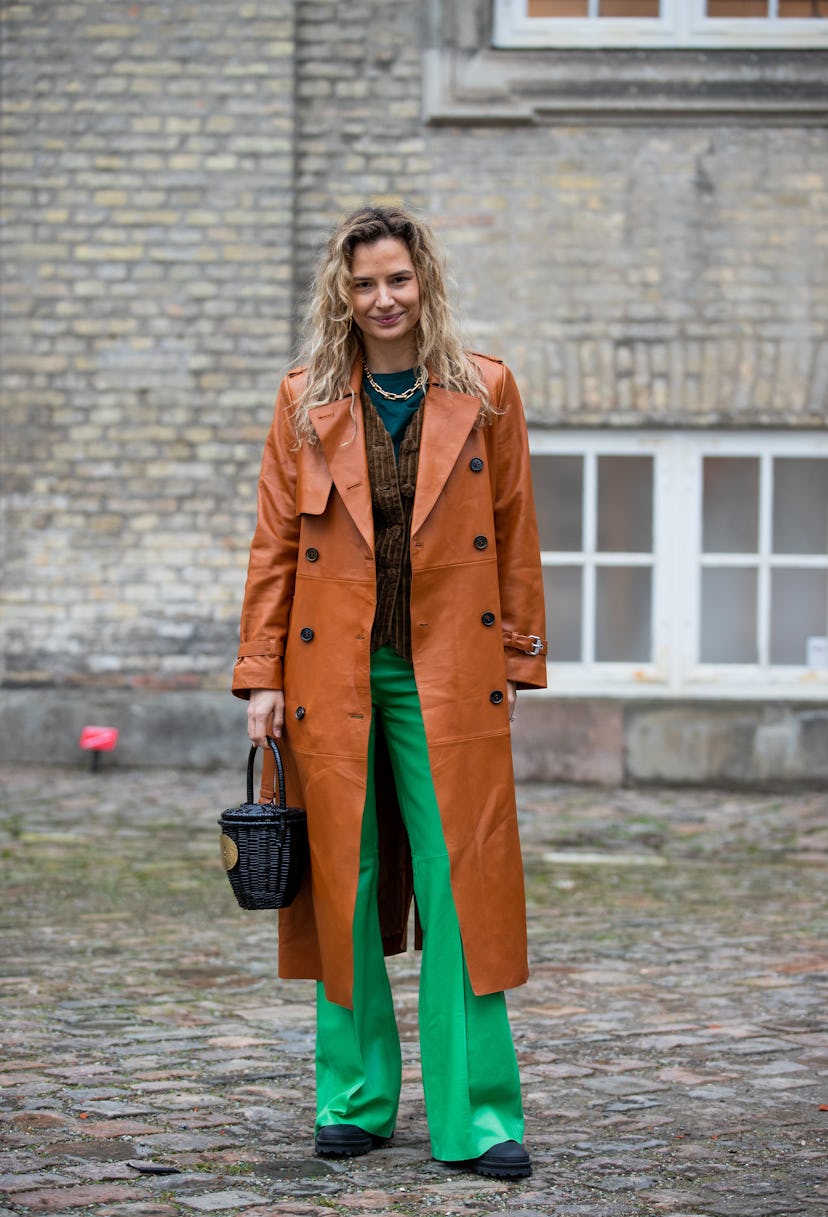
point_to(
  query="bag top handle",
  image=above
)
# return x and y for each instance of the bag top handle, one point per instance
(277, 756)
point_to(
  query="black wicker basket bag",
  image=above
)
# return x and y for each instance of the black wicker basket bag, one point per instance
(264, 846)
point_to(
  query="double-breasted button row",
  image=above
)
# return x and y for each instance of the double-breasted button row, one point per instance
(476, 464)
(300, 712)
(480, 542)
(306, 634)
(496, 697)
(488, 618)
(312, 554)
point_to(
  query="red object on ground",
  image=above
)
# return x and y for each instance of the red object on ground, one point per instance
(99, 739)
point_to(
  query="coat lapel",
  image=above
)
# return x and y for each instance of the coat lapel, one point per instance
(448, 418)
(341, 432)
(447, 421)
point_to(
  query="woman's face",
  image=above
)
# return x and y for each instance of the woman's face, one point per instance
(385, 297)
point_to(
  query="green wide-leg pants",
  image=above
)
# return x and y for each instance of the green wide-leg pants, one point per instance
(469, 1068)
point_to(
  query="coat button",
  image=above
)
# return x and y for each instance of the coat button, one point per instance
(475, 464)
(300, 710)
(480, 542)
(306, 634)
(312, 554)
(495, 697)
(488, 618)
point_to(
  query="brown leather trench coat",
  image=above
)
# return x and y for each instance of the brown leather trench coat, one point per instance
(476, 604)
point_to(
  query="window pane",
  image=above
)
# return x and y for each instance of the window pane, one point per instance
(730, 512)
(728, 616)
(799, 610)
(800, 506)
(559, 495)
(625, 504)
(558, 8)
(628, 8)
(606, 8)
(623, 614)
(798, 9)
(737, 8)
(803, 8)
(562, 589)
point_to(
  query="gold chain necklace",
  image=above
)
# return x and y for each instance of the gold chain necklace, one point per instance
(419, 383)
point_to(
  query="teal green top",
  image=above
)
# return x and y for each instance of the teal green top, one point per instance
(396, 415)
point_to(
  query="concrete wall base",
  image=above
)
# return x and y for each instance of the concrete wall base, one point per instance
(749, 744)
(602, 741)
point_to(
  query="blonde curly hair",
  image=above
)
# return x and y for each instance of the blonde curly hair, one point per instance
(333, 340)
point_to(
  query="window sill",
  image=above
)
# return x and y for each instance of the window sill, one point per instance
(813, 690)
(484, 86)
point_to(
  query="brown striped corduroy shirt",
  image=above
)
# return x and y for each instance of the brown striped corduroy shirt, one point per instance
(392, 496)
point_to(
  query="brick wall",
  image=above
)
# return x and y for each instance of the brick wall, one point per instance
(667, 276)
(359, 132)
(647, 274)
(147, 172)
(168, 172)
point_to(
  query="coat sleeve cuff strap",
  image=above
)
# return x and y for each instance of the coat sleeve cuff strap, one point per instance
(265, 647)
(530, 644)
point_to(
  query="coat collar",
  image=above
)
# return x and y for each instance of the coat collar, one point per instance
(447, 422)
(341, 432)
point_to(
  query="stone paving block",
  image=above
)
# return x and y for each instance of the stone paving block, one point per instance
(48, 1200)
(215, 1202)
(106, 1130)
(138, 1209)
(557, 1069)
(779, 1067)
(16, 1163)
(19, 1078)
(366, 1199)
(79, 1073)
(623, 1085)
(189, 1120)
(186, 1179)
(712, 1092)
(759, 1046)
(25, 1183)
(177, 1142)
(95, 1151)
(112, 1108)
(103, 1170)
(676, 1203)
(293, 1208)
(594, 1208)
(783, 1083)
(36, 1121)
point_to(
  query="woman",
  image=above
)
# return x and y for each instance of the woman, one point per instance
(393, 607)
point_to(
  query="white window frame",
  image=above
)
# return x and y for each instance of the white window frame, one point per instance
(682, 24)
(677, 562)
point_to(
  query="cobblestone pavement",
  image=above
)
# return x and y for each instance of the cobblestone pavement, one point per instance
(672, 1038)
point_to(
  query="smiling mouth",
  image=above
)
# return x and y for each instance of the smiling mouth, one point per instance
(392, 320)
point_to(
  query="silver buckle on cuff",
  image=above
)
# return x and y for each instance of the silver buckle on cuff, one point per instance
(537, 645)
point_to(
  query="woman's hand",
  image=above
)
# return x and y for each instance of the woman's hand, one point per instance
(511, 697)
(265, 715)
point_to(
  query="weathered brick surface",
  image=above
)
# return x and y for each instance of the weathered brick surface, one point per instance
(359, 130)
(666, 277)
(168, 172)
(147, 175)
